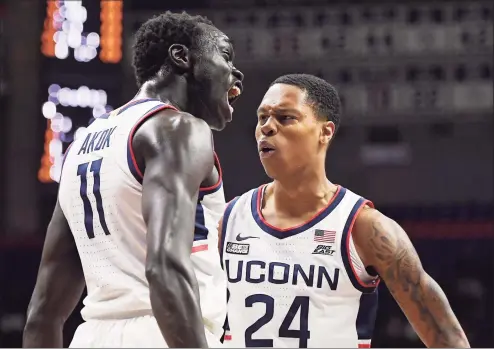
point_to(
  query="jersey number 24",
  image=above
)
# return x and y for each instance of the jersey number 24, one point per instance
(299, 303)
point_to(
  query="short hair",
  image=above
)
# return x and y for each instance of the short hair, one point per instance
(321, 95)
(155, 36)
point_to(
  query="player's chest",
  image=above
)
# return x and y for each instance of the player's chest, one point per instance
(309, 261)
(320, 244)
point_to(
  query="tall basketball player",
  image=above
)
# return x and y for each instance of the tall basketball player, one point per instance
(304, 256)
(129, 195)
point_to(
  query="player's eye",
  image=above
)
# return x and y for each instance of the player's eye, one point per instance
(227, 55)
(286, 118)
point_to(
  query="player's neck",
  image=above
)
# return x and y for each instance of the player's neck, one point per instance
(298, 196)
(172, 89)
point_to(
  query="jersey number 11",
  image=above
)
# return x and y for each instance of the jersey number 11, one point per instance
(82, 170)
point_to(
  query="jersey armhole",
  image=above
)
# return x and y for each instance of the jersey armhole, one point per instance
(357, 282)
(357, 264)
(63, 160)
(138, 173)
(366, 318)
(215, 187)
(66, 154)
(227, 335)
(226, 216)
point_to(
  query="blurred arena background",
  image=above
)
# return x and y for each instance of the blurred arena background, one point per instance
(415, 79)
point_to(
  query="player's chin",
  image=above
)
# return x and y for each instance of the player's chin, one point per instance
(224, 116)
(219, 116)
(270, 171)
(219, 123)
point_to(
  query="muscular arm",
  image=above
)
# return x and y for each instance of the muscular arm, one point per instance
(384, 245)
(58, 287)
(177, 152)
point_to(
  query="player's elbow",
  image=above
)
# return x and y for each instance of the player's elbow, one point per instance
(166, 282)
(164, 268)
(155, 273)
(40, 308)
(40, 323)
(38, 318)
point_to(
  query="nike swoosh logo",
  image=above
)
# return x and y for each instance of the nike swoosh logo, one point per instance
(243, 238)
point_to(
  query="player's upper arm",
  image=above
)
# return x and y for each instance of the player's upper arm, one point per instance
(384, 245)
(60, 279)
(175, 145)
(177, 153)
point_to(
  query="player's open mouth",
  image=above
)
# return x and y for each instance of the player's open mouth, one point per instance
(234, 92)
(266, 149)
(266, 152)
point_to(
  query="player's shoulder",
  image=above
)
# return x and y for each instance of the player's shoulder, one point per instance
(253, 191)
(173, 126)
(171, 134)
(238, 207)
(351, 199)
(171, 120)
(245, 200)
(367, 217)
(347, 193)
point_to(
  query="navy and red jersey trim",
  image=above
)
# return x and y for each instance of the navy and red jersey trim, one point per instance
(135, 102)
(203, 191)
(226, 217)
(63, 160)
(131, 160)
(200, 248)
(66, 154)
(345, 249)
(201, 232)
(287, 232)
(366, 318)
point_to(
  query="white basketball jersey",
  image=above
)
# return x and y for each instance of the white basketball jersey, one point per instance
(100, 194)
(296, 287)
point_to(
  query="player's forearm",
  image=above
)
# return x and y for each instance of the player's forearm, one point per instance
(42, 332)
(388, 249)
(432, 316)
(49, 308)
(175, 303)
(172, 281)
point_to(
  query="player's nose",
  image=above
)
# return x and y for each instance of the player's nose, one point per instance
(237, 74)
(269, 127)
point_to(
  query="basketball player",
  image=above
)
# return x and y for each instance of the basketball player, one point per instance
(303, 255)
(129, 191)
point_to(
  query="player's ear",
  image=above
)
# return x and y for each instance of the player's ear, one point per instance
(179, 56)
(327, 132)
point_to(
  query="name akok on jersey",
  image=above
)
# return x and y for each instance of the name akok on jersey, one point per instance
(96, 141)
(256, 272)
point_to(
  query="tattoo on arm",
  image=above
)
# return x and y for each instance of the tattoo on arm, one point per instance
(420, 297)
